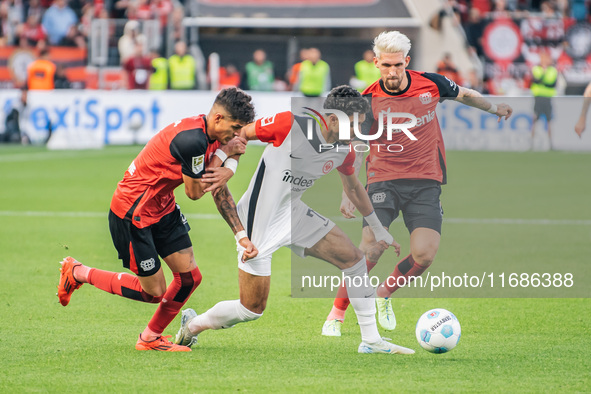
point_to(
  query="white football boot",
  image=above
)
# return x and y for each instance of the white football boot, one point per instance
(332, 328)
(184, 336)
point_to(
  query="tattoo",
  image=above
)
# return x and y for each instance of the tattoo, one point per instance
(373, 253)
(225, 203)
(358, 159)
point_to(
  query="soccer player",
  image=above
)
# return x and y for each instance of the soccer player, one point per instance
(275, 216)
(580, 126)
(407, 180)
(145, 222)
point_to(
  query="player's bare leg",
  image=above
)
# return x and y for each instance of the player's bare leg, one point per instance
(424, 243)
(373, 251)
(254, 292)
(337, 249)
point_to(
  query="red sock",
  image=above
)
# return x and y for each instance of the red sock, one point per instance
(122, 284)
(342, 299)
(176, 296)
(406, 268)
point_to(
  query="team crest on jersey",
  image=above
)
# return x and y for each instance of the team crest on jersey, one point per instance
(425, 97)
(267, 121)
(149, 264)
(327, 167)
(197, 165)
(377, 198)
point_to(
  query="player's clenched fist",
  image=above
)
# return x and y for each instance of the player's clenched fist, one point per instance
(250, 250)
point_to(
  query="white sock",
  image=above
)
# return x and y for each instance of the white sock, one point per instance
(362, 297)
(224, 314)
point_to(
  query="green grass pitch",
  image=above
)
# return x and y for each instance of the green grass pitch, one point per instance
(54, 204)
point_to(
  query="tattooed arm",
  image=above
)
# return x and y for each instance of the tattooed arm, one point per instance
(225, 204)
(474, 99)
(347, 207)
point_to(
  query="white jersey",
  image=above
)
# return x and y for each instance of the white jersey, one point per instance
(271, 209)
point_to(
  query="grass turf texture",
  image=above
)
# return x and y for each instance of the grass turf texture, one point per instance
(507, 344)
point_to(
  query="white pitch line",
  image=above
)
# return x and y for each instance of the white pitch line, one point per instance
(215, 216)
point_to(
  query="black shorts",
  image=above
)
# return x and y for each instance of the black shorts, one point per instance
(139, 248)
(543, 106)
(417, 199)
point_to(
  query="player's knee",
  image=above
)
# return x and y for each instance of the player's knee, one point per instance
(150, 298)
(187, 283)
(424, 257)
(350, 258)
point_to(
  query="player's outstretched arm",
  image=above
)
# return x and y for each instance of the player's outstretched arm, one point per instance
(474, 99)
(227, 208)
(580, 126)
(358, 196)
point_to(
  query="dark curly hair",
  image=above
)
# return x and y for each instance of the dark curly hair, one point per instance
(346, 99)
(237, 103)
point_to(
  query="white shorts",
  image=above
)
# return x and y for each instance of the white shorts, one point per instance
(306, 230)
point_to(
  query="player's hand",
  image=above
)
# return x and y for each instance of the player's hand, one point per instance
(347, 208)
(503, 110)
(236, 146)
(385, 239)
(217, 177)
(395, 244)
(580, 127)
(250, 251)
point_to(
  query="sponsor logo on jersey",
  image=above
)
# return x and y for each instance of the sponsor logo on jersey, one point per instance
(426, 97)
(296, 181)
(197, 164)
(378, 198)
(327, 167)
(148, 265)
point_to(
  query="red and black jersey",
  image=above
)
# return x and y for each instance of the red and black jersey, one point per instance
(409, 159)
(145, 194)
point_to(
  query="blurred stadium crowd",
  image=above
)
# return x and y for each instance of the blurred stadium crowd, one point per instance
(38, 27)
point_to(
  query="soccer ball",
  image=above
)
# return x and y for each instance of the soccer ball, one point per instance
(438, 331)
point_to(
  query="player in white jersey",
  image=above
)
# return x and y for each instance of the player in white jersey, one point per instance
(274, 216)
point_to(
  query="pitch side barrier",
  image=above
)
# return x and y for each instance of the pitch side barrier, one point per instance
(101, 118)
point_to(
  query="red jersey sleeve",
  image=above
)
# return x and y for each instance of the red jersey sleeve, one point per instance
(347, 167)
(274, 128)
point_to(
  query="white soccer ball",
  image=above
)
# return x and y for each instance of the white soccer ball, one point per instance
(438, 331)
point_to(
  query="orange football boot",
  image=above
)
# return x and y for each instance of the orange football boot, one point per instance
(67, 281)
(161, 344)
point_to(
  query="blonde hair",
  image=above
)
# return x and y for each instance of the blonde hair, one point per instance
(391, 42)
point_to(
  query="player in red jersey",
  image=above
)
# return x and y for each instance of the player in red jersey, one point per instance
(406, 174)
(275, 216)
(145, 222)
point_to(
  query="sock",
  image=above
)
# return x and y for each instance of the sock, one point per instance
(177, 294)
(121, 284)
(80, 273)
(406, 268)
(224, 314)
(341, 301)
(362, 298)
